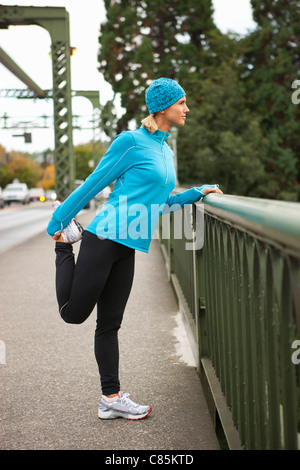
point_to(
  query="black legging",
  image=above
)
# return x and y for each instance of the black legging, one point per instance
(103, 275)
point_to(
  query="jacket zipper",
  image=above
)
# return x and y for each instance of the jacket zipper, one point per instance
(164, 157)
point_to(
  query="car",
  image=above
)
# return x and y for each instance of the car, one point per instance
(37, 194)
(16, 192)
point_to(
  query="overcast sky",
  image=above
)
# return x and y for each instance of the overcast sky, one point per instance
(29, 47)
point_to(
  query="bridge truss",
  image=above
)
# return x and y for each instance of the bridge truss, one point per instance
(56, 21)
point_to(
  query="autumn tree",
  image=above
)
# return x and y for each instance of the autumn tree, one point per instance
(16, 165)
(48, 179)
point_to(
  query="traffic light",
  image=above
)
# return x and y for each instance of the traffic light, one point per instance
(27, 137)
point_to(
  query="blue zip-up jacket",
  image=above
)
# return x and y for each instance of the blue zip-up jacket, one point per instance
(142, 165)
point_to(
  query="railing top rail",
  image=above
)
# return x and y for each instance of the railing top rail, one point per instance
(278, 221)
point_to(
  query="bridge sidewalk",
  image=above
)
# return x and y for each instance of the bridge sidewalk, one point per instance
(49, 382)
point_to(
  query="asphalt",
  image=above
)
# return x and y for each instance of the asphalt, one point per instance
(49, 380)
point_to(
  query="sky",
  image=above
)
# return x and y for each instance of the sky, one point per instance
(29, 47)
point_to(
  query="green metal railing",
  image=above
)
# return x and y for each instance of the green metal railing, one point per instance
(240, 293)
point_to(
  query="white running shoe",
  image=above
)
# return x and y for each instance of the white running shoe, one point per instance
(122, 407)
(72, 233)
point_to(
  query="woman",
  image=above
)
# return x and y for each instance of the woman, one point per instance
(141, 163)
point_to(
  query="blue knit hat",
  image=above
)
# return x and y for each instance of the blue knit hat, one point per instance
(162, 93)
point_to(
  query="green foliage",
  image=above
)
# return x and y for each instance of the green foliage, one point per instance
(243, 129)
(223, 139)
(271, 64)
(87, 157)
(109, 121)
(143, 40)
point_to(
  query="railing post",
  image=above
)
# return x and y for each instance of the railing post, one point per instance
(171, 242)
(199, 283)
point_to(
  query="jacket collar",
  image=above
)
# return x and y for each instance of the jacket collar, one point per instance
(158, 135)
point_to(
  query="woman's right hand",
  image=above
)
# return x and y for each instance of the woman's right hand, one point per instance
(58, 237)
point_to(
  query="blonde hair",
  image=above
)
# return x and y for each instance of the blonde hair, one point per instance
(150, 123)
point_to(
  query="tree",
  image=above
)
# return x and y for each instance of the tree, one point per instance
(271, 64)
(221, 141)
(141, 41)
(109, 120)
(15, 165)
(48, 180)
(243, 128)
(86, 160)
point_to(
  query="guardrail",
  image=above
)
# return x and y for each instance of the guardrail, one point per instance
(240, 296)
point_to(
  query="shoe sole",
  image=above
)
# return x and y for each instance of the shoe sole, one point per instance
(111, 414)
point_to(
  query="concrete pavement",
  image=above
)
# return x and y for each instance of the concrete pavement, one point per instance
(49, 383)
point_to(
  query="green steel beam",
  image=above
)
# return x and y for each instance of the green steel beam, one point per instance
(23, 93)
(93, 97)
(56, 21)
(18, 72)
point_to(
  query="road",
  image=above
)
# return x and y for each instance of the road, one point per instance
(18, 223)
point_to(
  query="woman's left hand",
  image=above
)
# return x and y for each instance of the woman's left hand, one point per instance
(210, 188)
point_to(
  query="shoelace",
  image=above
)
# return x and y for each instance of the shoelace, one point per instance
(125, 400)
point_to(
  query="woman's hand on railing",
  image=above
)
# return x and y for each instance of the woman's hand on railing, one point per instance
(209, 188)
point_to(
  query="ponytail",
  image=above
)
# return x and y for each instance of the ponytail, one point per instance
(150, 123)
